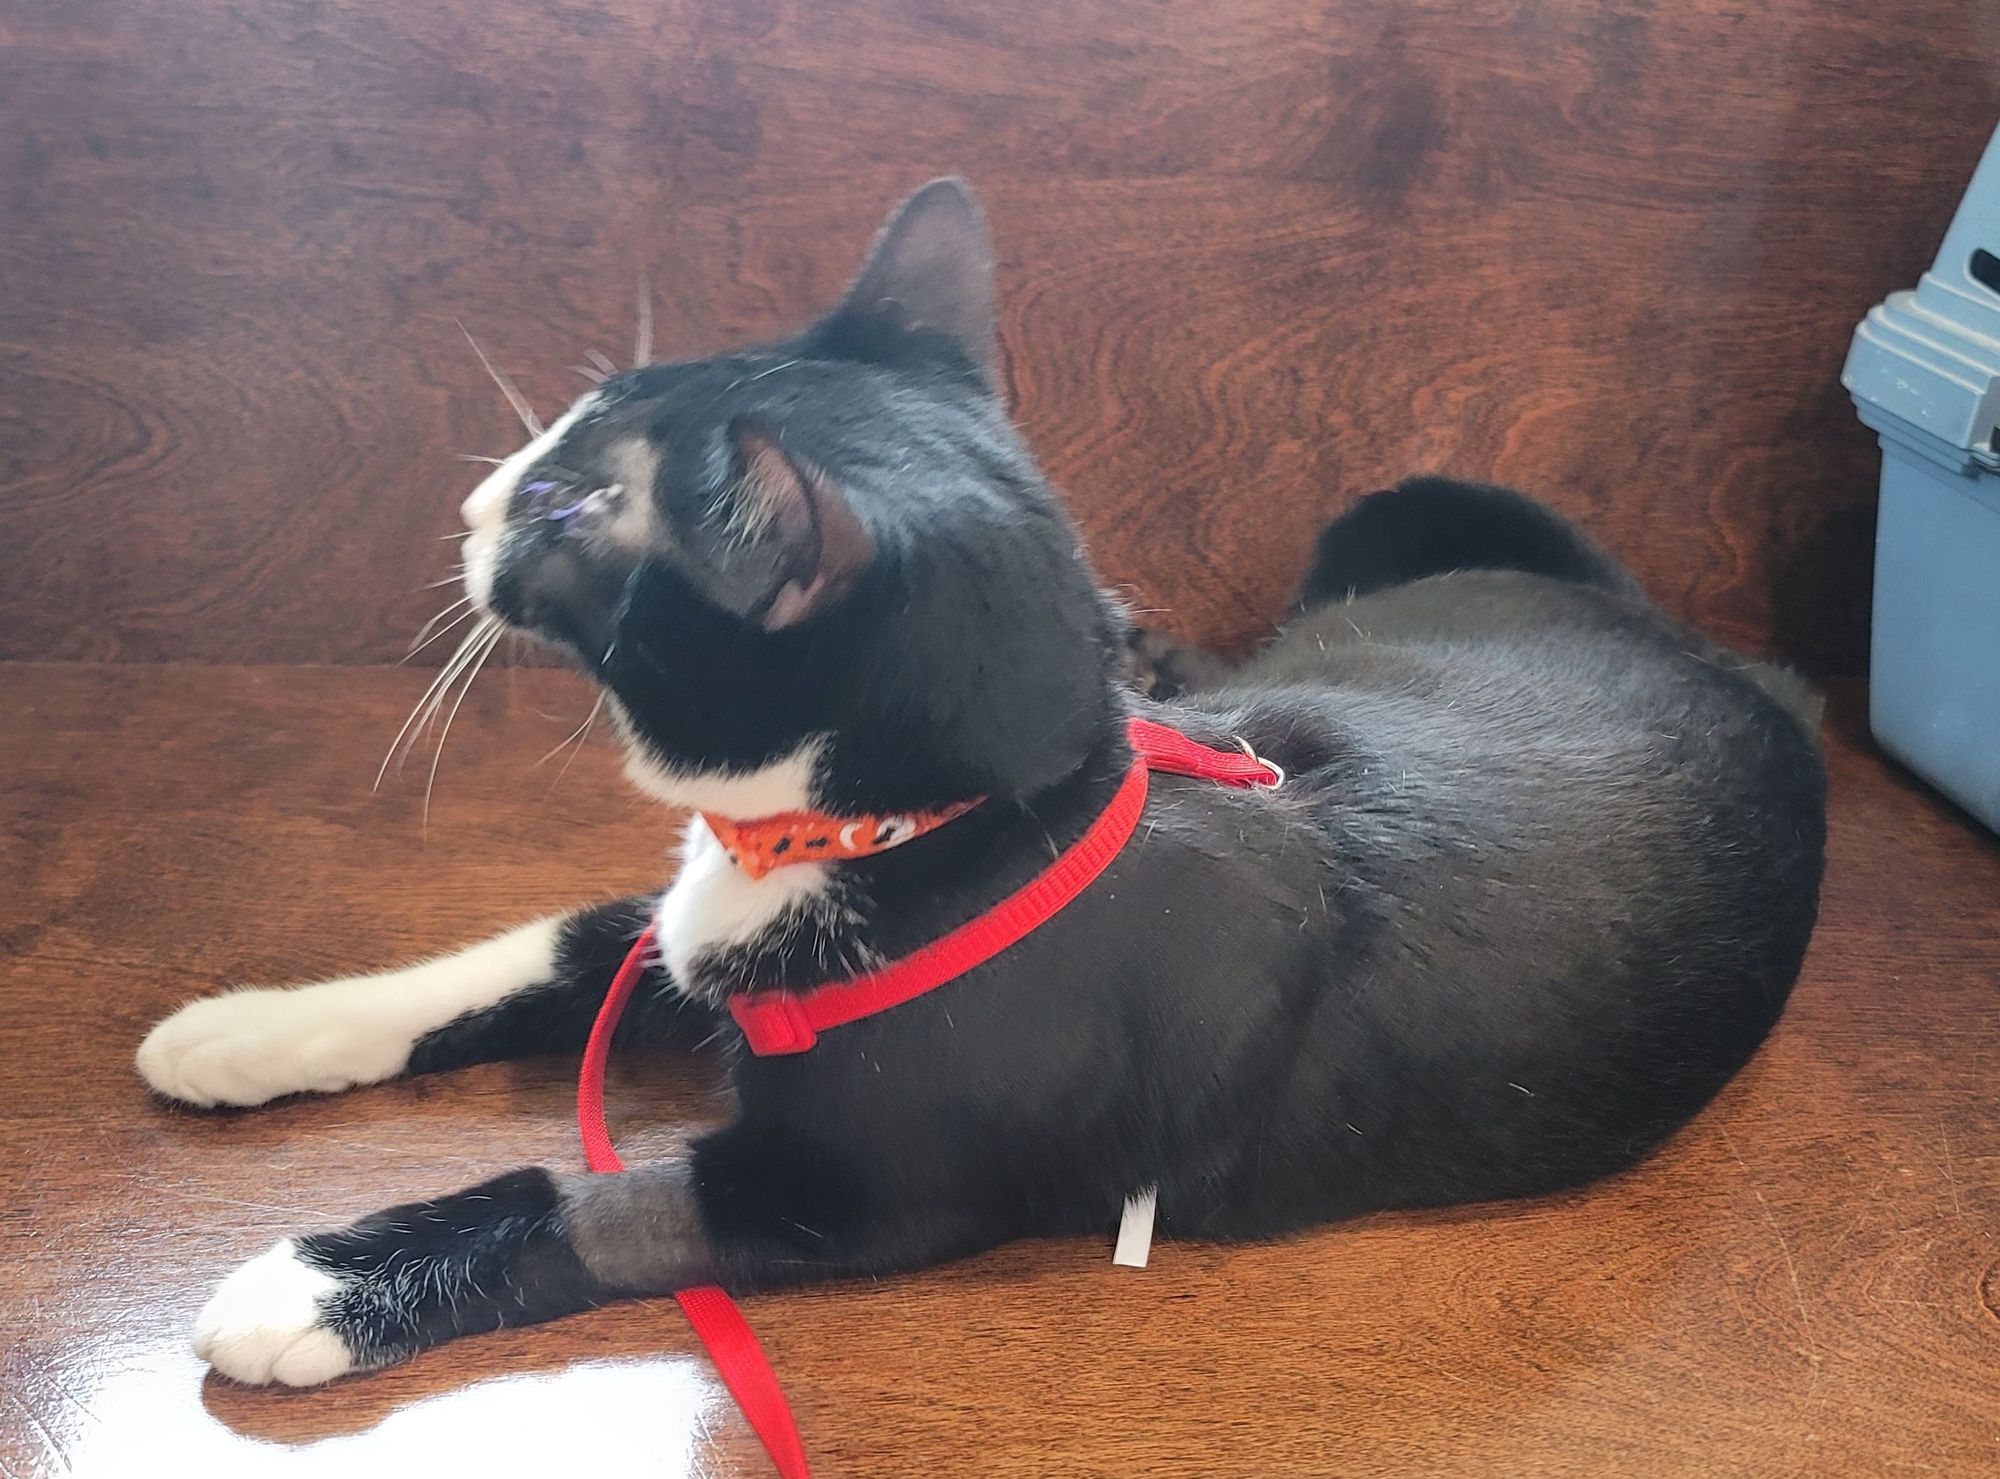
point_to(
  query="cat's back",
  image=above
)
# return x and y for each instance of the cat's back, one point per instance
(1561, 843)
(1493, 731)
(1506, 664)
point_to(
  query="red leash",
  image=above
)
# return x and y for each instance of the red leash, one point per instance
(782, 1022)
(731, 1344)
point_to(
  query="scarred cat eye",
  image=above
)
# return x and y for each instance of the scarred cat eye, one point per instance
(563, 514)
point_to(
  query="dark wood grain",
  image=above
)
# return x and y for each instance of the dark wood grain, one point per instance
(1256, 258)
(1806, 1281)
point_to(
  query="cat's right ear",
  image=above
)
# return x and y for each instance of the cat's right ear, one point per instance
(788, 543)
(927, 287)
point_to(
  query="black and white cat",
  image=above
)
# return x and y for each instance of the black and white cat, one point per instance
(1538, 882)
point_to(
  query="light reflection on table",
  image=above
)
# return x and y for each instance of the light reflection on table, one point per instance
(152, 1413)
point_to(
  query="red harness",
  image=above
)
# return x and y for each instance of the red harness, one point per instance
(777, 1022)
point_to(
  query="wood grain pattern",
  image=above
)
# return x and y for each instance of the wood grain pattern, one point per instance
(1806, 1281)
(1256, 258)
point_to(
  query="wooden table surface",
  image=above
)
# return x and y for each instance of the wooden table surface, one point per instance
(1805, 1281)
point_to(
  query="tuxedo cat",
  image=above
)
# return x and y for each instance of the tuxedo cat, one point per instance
(1536, 883)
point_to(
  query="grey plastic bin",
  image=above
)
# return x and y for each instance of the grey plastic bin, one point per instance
(1924, 371)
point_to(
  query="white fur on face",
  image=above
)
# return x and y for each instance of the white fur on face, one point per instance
(712, 903)
(247, 1047)
(485, 508)
(263, 1323)
(616, 509)
(631, 464)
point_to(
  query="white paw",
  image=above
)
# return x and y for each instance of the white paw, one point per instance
(247, 1047)
(264, 1323)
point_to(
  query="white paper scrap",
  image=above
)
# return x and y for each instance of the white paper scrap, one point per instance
(1135, 1229)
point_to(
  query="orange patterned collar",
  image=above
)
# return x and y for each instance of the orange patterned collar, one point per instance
(760, 844)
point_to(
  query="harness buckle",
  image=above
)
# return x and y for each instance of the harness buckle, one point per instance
(1277, 771)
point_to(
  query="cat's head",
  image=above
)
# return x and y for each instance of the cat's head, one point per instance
(823, 572)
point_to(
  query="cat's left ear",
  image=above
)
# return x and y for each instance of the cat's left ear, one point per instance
(928, 283)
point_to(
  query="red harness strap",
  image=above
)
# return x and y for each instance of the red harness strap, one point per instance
(781, 1022)
(790, 1022)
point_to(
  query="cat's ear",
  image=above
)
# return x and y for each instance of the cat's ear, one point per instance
(928, 282)
(798, 545)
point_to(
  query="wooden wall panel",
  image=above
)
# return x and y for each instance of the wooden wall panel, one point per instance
(1256, 257)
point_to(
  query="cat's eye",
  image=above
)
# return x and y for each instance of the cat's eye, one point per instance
(565, 508)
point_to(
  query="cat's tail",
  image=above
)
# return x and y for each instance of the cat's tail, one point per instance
(1433, 526)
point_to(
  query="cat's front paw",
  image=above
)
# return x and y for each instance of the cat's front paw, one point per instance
(268, 1322)
(249, 1047)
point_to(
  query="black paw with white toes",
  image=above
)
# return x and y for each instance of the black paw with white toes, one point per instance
(314, 1308)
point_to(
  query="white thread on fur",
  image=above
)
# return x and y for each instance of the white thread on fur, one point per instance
(250, 1046)
(264, 1323)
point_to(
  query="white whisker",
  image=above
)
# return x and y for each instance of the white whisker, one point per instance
(514, 397)
(588, 720)
(602, 361)
(445, 673)
(475, 457)
(576, 734)
(427, 636)
(594, 376)
(460, 661)
(449, 607)
(492, 641)
(563, 743)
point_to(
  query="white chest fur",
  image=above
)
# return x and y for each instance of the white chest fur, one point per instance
(713, 904)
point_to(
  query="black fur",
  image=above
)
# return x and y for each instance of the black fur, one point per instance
(1538, 883)
(412, 1276)
(1011, 698)
(1434, 526)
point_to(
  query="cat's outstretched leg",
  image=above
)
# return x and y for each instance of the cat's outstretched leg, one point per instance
(533, 1245)
(312, 1308)
(532, 990)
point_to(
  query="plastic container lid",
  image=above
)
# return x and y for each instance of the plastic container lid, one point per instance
(1924, 368)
